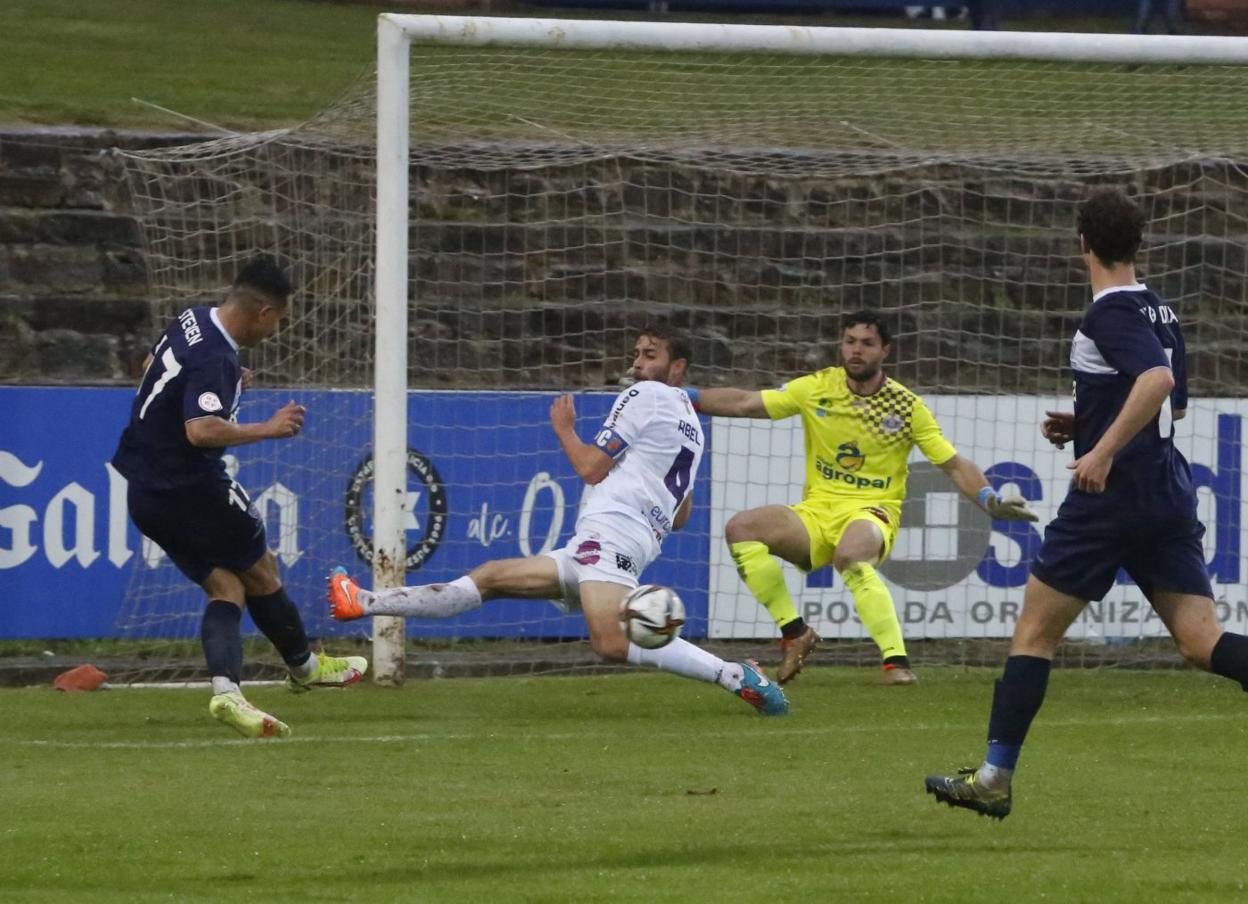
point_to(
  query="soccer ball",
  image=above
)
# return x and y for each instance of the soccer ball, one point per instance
(652, 616)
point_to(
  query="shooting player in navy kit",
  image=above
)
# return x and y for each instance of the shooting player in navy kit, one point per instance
(1131, 502)
(179, 495)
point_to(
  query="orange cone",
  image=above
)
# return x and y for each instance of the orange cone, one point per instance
(81, 678)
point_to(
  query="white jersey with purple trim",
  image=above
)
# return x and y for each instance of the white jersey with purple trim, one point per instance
(657, 442)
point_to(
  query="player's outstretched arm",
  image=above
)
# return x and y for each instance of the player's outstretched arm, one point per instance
(212, 432)
(591, 464)
(972, 484)
(723, 402)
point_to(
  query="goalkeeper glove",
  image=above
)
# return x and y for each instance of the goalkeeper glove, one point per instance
(1005, 508)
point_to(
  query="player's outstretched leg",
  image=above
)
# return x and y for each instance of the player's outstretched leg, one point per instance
(234, 710)
(966, 790)
(349, 601)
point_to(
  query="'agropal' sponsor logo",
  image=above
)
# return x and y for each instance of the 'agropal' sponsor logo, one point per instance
(849, 457)
(850, 460)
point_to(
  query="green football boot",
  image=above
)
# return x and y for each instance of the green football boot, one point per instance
(964, 790)
(331, 671)
(234, 710)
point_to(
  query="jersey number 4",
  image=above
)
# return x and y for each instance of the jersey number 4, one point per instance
(679, 475)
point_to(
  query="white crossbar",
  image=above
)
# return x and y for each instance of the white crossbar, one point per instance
(590, 34)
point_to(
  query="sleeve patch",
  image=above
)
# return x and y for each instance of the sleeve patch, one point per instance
(210, 402)
(610, 442)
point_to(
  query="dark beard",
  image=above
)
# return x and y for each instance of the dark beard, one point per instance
(864, 376)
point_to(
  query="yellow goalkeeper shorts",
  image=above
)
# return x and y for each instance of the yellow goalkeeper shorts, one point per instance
(826, 522)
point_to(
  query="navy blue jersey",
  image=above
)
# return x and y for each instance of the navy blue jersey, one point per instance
(1127, 331)
(194, 373)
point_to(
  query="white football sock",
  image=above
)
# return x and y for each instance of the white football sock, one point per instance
(682, 658)
(993, 777)
(306, 669)
(731, 677)
(425, 601)
(223, 685)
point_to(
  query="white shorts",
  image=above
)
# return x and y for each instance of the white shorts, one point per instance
(615, 551)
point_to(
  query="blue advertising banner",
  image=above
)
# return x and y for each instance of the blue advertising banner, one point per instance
(486, 481)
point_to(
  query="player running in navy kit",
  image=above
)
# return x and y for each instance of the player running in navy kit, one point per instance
(1131, 502)
(179, 495)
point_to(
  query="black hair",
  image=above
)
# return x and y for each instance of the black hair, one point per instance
(677, 343)
(1112, 226)
(263, 276)
(868, 318)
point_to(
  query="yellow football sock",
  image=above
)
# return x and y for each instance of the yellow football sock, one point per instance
(875, 608)
(761, 572)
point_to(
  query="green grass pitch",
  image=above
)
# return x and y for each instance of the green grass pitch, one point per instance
(636, 787)
(245, 63)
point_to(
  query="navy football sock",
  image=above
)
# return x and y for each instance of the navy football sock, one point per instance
(279, 620)
(1230, 658)
(222, 639)
(1018, 696)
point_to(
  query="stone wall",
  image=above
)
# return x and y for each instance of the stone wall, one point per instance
(534, 279)
(73, 297)
(978, 270)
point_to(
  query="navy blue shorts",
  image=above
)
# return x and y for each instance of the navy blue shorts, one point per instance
(206, 526)
(1086, 544)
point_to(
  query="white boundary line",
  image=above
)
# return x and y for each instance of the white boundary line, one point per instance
(734, 733)
(180, 685)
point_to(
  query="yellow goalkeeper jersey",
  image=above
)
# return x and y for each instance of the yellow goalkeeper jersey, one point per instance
(858, 447)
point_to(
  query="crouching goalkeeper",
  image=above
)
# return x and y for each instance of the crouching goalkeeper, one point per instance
(859, 427)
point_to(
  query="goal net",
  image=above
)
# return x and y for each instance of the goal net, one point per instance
(568, 182)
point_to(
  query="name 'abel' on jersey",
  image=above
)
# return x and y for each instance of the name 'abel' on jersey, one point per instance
(656, 440)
